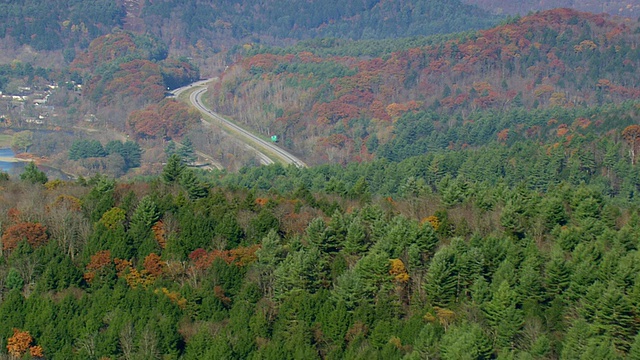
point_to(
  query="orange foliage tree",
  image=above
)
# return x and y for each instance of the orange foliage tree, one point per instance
(159, 233)
(34, 233)
(503, 135)
(20, 342)
(154, 265)
(99, 261)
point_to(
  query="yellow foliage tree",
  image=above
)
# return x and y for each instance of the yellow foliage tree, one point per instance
(398, 271)
(433, 221)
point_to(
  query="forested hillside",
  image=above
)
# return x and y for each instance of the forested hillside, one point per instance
(124, 70)
(475, 195)
(72, 24)
(332, 105)
(58, 24)
(202, 22)
(513, 251)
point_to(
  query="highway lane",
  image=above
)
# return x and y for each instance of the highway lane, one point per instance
(250, 140)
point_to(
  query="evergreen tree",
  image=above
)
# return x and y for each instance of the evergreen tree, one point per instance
(428, 341)
(504, 315)
(615, 317)
(465, 342)
(557, 276)
(269, 255)
(170, 149)
(190, 182)
(356, 237)
(173, 170)
(33, 175)
(441, 279)
(186, 152)
(298, 271)
(634, 352)
(100, 198)
(143, 218)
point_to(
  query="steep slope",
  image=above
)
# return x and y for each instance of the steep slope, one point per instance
(342, 108)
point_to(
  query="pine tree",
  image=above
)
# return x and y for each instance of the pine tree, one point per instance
(186, 152)
(335, 319)
(172, 171)
(426, 345)
(634, 352)
(557, 276)
(441, 279)
(269, 255)
(503, 315)
(317, 232)
(465, 342)
(616, 317)
(530, 281)
(190, 182)
(355, 242)
(143, 218)
(297, 272)
(512, 219)
(576, 340)
(350, 289)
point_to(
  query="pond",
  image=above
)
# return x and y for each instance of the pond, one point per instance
(6, 166)
(14, 168)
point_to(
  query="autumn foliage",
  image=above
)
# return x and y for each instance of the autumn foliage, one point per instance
(35, 234)
(20, 343)
(520, 64)
(398, 271)
(130, 67)
(433, 221)
(99, 261)
(240, 256)
(154, 265)
(159, 233)
(168, 119)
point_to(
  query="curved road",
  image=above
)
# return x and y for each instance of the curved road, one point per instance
(251, 141)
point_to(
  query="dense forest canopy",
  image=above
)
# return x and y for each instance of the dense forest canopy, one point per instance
(477, 196)
(58, 24)
(69, 24)
(73, 24)
(306, 19)
(511, 251)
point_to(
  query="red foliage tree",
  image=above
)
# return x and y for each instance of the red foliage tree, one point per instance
(34, 233)
(154, 264)
(170, 119)
(99, 261)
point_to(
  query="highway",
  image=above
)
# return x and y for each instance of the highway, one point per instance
(251, 141)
